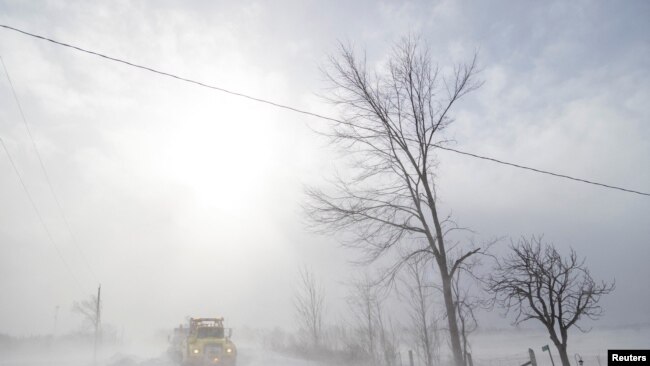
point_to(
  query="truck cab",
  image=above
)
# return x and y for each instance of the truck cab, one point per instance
(207, 342)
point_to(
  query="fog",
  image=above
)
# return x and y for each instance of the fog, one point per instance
(187, 202)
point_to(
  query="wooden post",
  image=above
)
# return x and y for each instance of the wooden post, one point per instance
(411, 358)
(532, 361)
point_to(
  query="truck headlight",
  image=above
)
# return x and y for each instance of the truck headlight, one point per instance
(228, 350)
(195, 351)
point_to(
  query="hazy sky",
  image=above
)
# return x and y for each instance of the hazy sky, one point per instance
(186, 201)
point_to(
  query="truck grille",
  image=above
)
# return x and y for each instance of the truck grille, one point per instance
(213, 349)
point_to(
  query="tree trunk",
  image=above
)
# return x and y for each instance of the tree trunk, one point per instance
(464, 339)
(454, 335)
(446, 277)
(564, 357)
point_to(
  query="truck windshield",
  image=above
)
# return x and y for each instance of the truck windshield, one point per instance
(210, 332)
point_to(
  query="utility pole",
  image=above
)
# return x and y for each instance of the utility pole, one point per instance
(97, 321)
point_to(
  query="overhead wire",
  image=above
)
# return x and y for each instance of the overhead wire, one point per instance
(316, 115)
(45, 173)
(40, 217)
(172, 75)
(541, 171)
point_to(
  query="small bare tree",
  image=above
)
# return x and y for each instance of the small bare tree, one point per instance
(466, 306)
(376, 330)
(363, 301)
(392, 124)
(309, 305)
(387, 337)
(419, 298)
(536, 282)
(90, 311)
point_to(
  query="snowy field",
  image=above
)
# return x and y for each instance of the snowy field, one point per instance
(490, 348)
(503, 348)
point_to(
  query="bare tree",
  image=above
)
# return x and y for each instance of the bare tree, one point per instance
(466, 306)
(392, 124)
(536, 282)
(419, 298)
(309, 305)
(377, 331)
(387, 337)
(363, 301)
(90, 311)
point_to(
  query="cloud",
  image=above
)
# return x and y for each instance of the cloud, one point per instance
(192, 197)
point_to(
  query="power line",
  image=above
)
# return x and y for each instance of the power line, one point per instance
(540, 171)
(47, 176)
(40, 217)
(172, 75)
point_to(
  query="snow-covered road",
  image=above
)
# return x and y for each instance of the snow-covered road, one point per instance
(248, 356)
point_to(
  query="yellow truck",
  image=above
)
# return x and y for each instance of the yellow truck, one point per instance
(203, 342)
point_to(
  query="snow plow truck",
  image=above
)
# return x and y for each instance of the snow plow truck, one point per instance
(203, 342)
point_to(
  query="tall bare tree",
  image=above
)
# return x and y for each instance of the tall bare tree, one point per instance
(536, 282)
(392, 123)
(309, 305)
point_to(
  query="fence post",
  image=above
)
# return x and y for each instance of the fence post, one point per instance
(411, 358)
(533, 361)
